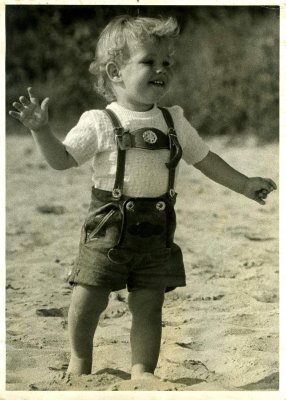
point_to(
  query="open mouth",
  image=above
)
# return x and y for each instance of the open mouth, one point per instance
(158, 83)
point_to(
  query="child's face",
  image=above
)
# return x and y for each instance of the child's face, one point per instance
(146, 75)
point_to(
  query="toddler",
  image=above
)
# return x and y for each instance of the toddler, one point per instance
(135, 146)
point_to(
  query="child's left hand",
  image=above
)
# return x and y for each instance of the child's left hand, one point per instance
(258, 189)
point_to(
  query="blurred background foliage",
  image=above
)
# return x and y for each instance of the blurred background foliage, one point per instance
(227, 71)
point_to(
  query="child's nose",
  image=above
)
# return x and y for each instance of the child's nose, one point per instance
(160, 70)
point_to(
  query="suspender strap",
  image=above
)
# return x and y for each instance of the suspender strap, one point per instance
(168, 118)
(121, 135)
(121, 155)
(175, 149)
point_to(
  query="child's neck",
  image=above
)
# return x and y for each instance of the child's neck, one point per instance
(135, 107)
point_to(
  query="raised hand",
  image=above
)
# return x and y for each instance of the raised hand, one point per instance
(258, 189)
(30, 112)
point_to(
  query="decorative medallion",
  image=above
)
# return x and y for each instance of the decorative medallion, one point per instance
(150, 137)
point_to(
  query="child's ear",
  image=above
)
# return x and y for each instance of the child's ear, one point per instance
(113, 72)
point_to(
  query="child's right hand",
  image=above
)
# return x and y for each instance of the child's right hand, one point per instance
(30, 112)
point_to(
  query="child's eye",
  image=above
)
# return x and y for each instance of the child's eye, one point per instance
(166, 64)
(148, 62)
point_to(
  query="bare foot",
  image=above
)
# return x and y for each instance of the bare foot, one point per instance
(144, 375)
(79, 366)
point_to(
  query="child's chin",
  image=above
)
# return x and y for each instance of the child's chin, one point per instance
(161, 96)
(160, 89)
(156, 97)
(161, 92)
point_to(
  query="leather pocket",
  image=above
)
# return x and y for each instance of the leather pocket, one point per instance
(103, 226)
(99, 228)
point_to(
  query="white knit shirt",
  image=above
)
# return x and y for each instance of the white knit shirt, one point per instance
(146, 174)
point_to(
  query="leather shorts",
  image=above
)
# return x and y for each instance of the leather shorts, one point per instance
(118, 233)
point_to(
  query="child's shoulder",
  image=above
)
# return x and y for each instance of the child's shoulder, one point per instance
(175, 108)
(93, 113)
(93, 116)
(176, 111)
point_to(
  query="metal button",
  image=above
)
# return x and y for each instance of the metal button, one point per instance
(161, 205)
(130, 205)
(116, 193)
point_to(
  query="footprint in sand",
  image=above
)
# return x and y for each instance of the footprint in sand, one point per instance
(266, 297)
(270, 382)
(258, 237)
(52, 312)
(47, 209)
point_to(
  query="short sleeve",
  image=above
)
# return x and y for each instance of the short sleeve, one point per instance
(81, 141)
(194, 147)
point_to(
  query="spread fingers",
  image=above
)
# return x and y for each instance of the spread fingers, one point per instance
(19, 106)
(24, 101)
(15, 114)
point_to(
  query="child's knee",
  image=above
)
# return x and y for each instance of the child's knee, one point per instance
(146, 303)
(88, 300)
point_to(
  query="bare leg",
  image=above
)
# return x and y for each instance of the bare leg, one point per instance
(146, 308)
(88, 302)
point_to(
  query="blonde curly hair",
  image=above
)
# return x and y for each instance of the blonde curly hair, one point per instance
(112, 45)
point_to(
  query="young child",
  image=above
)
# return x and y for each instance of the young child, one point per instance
(135, 147)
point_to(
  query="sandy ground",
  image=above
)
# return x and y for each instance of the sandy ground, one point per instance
(219, 333)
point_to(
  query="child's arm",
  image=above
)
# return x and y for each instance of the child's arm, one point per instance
(35, 117)
(215, 168)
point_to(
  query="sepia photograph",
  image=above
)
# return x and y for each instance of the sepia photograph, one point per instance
(142, 197)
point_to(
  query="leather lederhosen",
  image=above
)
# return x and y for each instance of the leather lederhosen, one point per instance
(137, 223)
